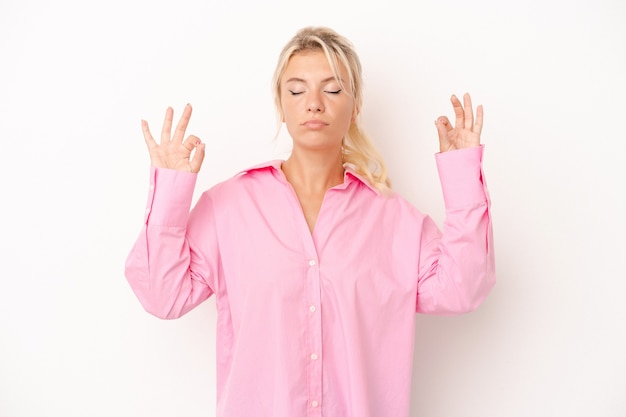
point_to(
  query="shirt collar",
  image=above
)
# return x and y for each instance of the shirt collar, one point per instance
(350, 174)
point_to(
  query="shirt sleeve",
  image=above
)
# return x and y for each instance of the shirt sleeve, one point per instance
(160, 267)
(457, 264)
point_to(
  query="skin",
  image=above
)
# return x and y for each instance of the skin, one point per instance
(466, 132)
(172, 151)
(317, 114)
(317, 110)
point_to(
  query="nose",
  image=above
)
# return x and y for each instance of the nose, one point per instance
(315, 103)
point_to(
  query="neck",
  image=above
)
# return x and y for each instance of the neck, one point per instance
(313, 172)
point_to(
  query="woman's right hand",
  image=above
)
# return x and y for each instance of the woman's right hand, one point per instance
(174, 152)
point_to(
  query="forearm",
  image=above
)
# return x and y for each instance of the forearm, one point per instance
(158, 266)
(460, 261)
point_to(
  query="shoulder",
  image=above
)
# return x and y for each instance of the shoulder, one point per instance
(387, 204)
(253, 179)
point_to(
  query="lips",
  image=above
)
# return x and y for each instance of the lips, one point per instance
(315, 124)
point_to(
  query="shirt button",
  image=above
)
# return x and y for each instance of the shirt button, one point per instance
(314, 404)
(312, 309)
(313, 356)
(312, 262)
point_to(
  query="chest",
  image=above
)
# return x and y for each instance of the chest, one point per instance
(358, 245)
(310, 203)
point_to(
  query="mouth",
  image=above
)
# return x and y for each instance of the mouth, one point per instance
(314, 124)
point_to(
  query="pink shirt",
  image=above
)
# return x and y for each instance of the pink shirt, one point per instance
(317, 324)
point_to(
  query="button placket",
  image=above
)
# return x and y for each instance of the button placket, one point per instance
(314, 327)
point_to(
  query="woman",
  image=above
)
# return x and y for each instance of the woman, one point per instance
(317, 266)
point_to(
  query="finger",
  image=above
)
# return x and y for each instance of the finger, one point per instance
(443, 121)
(443, 127)
(198, 157)
(147, 136)
(458, 112)
(478, 125)
(179, 133)
(166, 130)
(191, 142)
(468, 111)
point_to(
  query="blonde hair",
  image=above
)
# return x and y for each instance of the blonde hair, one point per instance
(358, 149)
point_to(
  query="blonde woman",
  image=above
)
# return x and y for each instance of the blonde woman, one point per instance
(317, 266)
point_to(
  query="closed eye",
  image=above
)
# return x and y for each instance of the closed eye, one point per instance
(333, 92)
(295, 93)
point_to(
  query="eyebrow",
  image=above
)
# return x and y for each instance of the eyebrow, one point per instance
(300, 80)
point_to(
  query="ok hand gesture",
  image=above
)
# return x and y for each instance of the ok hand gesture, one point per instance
(466, 133)
(174, 152)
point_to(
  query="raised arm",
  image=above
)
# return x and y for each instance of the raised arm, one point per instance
(160, 267)
(458, 264)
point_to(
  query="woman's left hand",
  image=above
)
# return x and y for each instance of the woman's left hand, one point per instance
(466, 133)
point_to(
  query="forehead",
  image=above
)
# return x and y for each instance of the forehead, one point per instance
(311, 65)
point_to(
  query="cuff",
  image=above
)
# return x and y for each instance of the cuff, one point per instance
(169, 199)
(461, 176)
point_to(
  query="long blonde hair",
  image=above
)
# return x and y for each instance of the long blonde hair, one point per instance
(358, 150)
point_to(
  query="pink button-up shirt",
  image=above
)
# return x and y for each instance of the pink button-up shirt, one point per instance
(322, 323)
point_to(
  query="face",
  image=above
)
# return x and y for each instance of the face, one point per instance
(317, 110)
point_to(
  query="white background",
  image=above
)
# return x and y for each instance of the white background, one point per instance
(76, 77)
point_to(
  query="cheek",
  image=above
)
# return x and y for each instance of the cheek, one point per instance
(289, 119)
(287, 111)
(285, 114)
(350, 113)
